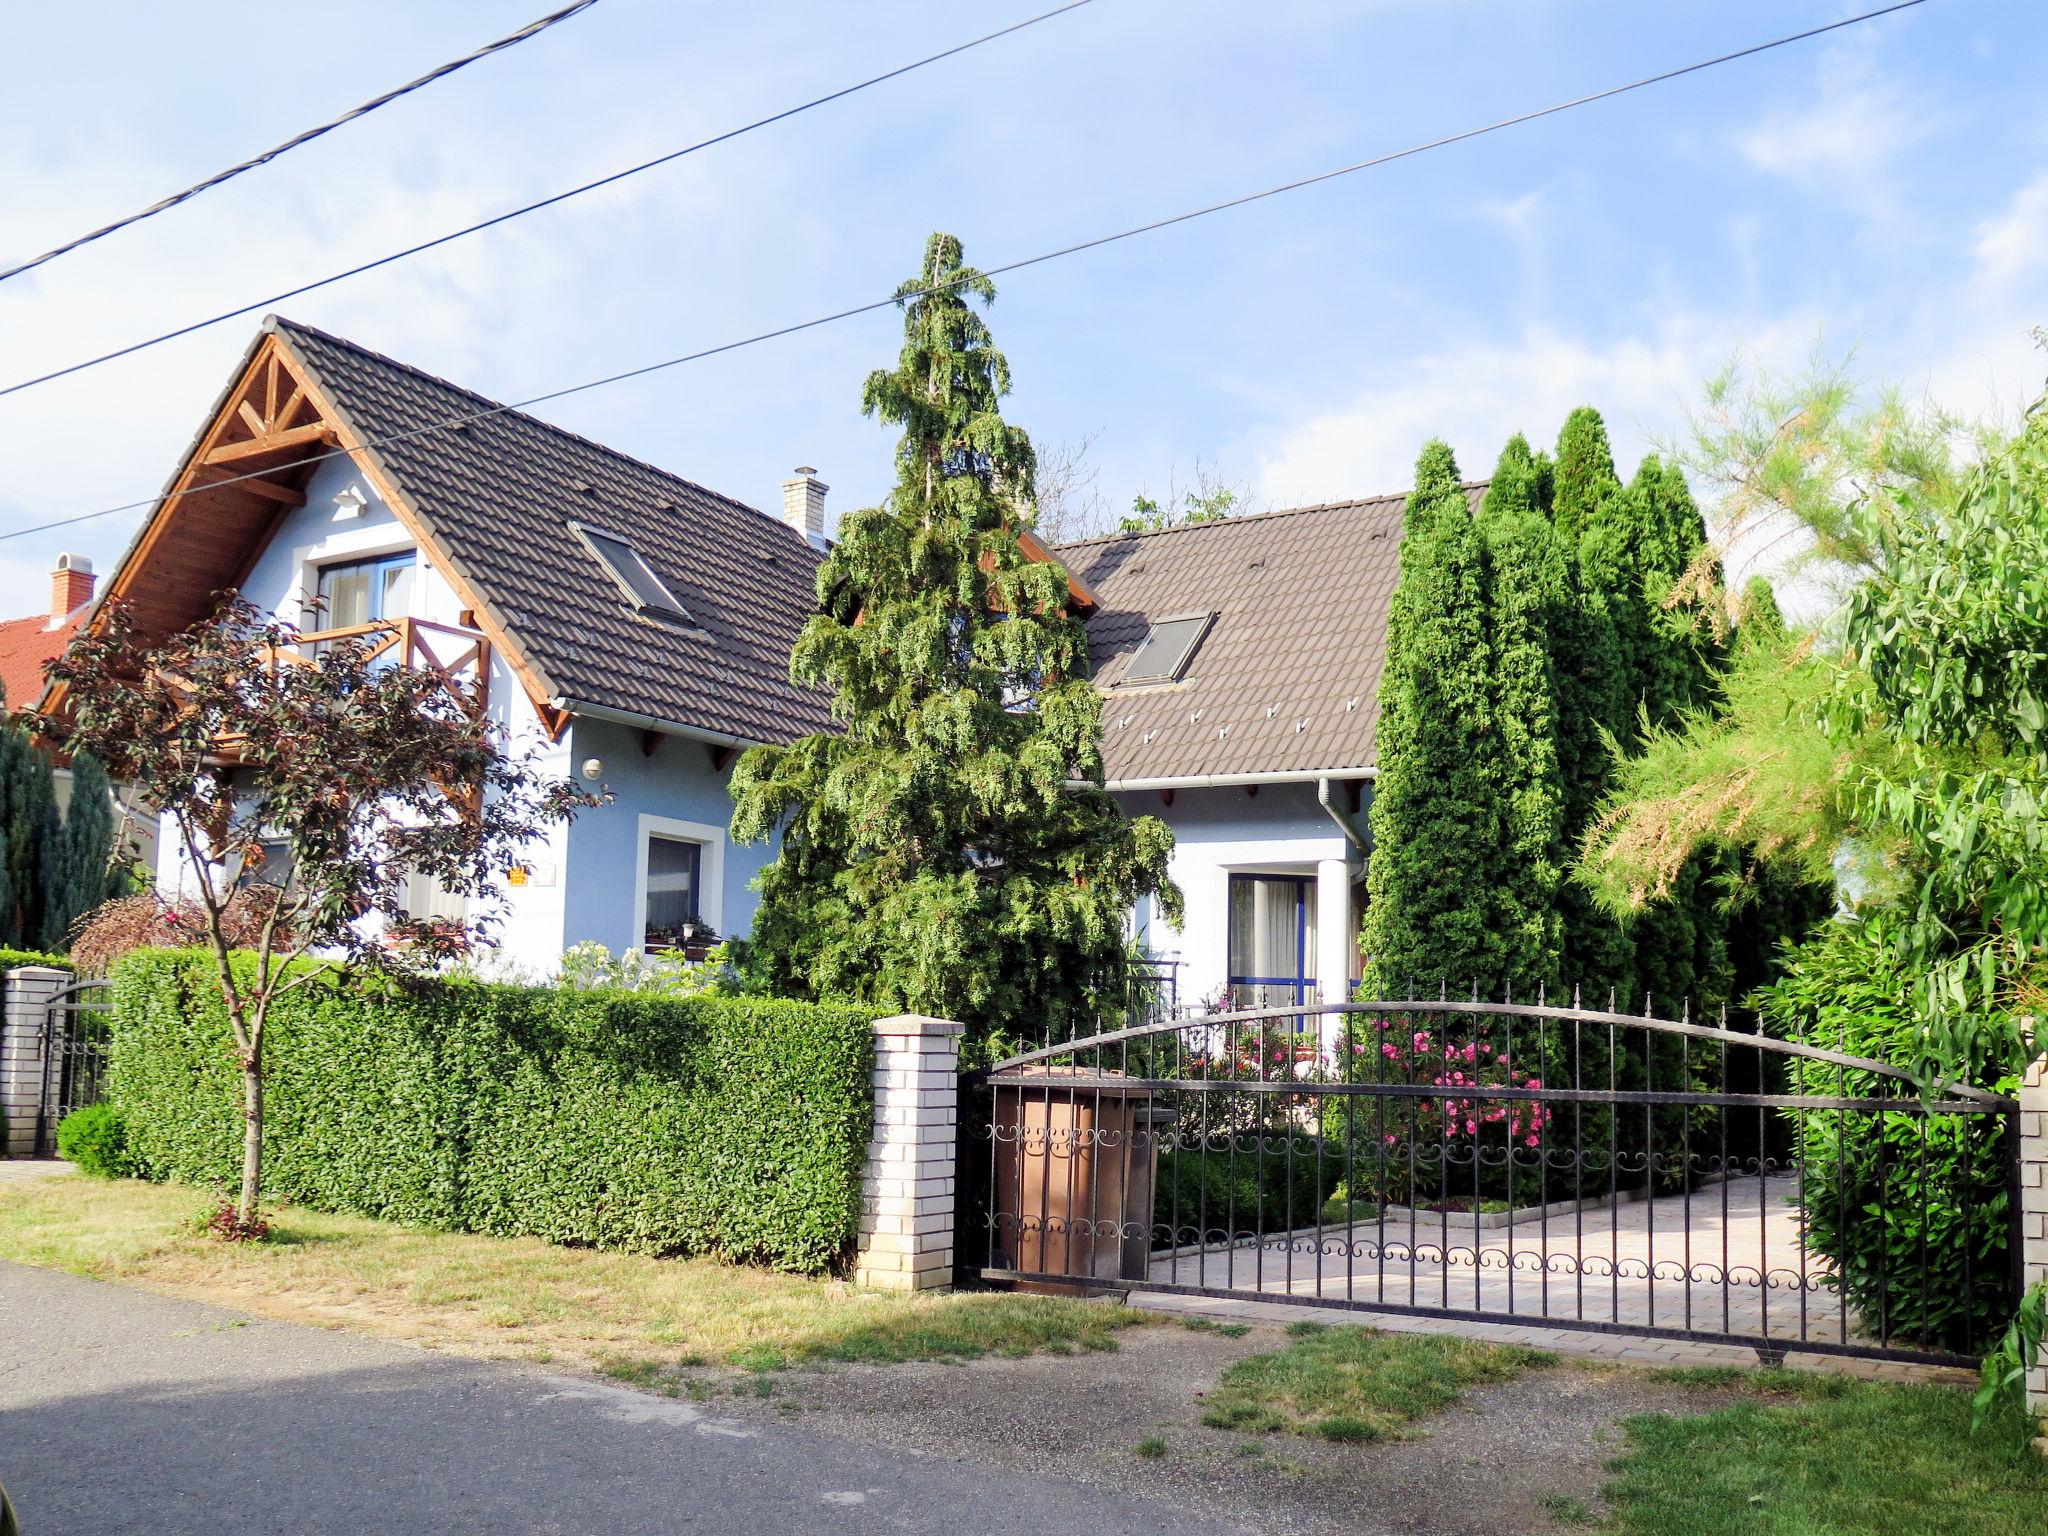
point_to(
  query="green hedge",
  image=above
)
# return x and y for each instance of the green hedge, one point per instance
(734, 1126)
(10, 958)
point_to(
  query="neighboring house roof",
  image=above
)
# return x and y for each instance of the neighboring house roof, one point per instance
(27, 647)
(1285, 681)
(495, 499)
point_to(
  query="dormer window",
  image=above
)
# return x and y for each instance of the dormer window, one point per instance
(1168, 646)
(647, 592)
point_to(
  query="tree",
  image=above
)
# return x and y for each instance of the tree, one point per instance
(1209, 500)
(28, 833)
(1436, 820)
(951, 849)
(310, 788)
(1528, 582)
(81, 873)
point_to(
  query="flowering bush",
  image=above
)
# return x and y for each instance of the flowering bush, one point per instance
(148, 920)
(671, 973)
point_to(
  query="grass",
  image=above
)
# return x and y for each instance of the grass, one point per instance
(1151, 1448)
(635, 1318)
(1210, 1325)
(1800, 1454)
(1357, 1384)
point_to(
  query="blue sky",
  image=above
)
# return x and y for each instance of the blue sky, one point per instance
(1886, 189)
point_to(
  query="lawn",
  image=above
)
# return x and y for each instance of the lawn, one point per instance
(1357, 1383)
(1792, 1454)
(520, 1298)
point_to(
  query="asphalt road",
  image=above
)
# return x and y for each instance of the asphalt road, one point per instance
(124, 1411)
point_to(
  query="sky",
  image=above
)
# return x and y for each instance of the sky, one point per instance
(1882, 191)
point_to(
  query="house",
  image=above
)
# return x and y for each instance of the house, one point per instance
(27, 647)
(630, 627)
(1239, 663)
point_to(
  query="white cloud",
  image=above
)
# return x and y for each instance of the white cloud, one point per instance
(1843, 141)
(2016, 240)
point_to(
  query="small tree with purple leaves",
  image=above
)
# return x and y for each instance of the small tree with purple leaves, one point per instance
(305, 794)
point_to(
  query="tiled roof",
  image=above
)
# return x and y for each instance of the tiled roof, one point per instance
(498, 496)
(1287, 678)
(27, 646)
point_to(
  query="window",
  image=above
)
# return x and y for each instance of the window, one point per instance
(1164, 655)
(674, 880)
(271, 865)
(426, 899)
(1272, 919)
(648, 592)
(363, 591)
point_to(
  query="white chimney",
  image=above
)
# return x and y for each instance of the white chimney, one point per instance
(803, 505)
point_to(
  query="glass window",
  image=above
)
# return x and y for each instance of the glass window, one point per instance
(636, 578)
(1272, 928)
(271, 866)
(1165, 652)
(673, 868)
(361, 591)
(427, 898)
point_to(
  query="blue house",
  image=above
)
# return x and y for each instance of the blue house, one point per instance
(632, 629)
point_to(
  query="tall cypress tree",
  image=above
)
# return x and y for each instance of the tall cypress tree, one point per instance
(28, 801)
(1593, 706)
(79, 876)
(1435, 816)
(1527, 582)
(937, 854)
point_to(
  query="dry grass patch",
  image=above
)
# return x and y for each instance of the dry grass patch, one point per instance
(518, 1297)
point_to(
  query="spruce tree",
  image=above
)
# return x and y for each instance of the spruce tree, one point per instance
(1527, 582)
(1436, 823)
(951, 849)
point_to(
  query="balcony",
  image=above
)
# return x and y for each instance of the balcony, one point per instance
(459, 658)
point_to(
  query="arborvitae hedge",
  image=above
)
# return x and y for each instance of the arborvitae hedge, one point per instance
(729, 1126)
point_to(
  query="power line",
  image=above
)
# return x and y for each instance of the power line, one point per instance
(531, 29)
(546, 202)
(1011, 266)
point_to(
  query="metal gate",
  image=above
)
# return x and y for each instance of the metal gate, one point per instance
(74, 1050)
(1557, 1167)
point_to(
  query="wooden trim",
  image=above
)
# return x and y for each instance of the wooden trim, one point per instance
(318, 432)
(721, 757)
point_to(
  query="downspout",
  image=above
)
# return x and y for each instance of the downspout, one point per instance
(1347, 821)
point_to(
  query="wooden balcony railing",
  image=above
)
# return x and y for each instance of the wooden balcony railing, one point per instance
(460, 658)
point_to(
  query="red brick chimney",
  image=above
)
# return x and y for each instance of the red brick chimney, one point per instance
(70, 587)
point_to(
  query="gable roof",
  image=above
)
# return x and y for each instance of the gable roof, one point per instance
(495, 499)
(1285, 682)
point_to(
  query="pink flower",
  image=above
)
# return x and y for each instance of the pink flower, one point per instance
(1391, 1138)
(1471, 1053)
(1500, 1061)
(1388, 1050)
(1533, 1141)
(1471, 1129)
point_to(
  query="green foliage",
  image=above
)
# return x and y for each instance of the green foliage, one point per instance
(1913, 1210)
(951, 851)
(95, 1139)
(81, 873)
(1436, 815)
(732, 1126)
(2015, 1352)
(28, 835)
(10, 958)
(1242, 1184)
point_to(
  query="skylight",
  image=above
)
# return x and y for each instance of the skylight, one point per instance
(648, 593)
(1169, 644)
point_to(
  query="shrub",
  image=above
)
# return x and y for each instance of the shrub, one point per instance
(1912, 1209)
(731, 1126)
(10, 958)
(146, 920)
(95, 1139)
(1248, 1184)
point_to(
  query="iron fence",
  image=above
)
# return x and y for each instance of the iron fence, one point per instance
(74, 1050)
(1566, 1167)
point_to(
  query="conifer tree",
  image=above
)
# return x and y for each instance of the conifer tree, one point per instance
(1527, 583)
(1592, 696)
(79, 875)
(1436, 822)
(951, 850)
(28, 830)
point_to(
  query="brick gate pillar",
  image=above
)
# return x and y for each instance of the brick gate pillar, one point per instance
(906, 1223)
(2034, 1216)
(25, 994)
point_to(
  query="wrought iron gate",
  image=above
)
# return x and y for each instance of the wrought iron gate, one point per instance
(74, 1042)
(1561, 1167)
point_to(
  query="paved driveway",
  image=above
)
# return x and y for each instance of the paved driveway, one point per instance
(124, 1411)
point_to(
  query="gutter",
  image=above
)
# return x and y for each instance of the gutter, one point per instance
(1361, 837)
(649, 723)
(1232, 780)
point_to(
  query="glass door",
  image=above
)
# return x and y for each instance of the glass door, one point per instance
(1272, 923)
(363, 591)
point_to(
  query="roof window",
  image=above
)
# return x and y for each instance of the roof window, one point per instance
(1168, 645)
(648, 593)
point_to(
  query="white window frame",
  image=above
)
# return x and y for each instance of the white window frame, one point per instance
(710, 871)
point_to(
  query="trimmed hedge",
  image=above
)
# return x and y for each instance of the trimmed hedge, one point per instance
(10, 958)
(731, 1126)
(95, 1140)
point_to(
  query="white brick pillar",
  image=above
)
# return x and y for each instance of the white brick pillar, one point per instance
(906, 1223)
(2034, 1215)
(25, 996)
